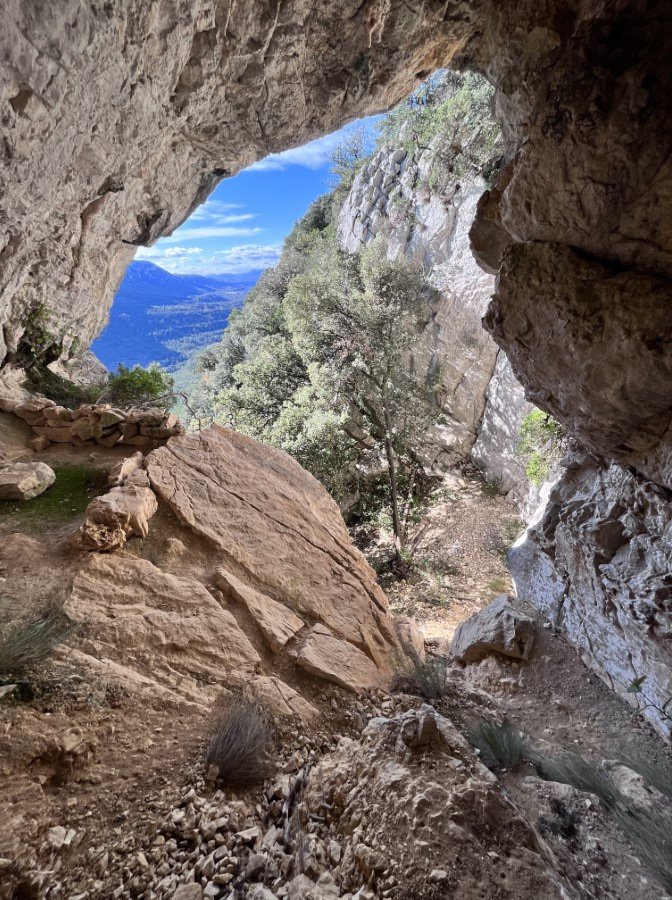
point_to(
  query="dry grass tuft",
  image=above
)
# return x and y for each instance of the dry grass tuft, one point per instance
(656, 775)
(428, 679)
(240, 744)
(580, 773)
(650, 833)
(30, 642)
(501, 746)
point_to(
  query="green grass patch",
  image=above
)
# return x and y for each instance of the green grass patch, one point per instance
(499, 585)
(67, 498)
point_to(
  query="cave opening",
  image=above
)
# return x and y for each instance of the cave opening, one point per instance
(213, 563)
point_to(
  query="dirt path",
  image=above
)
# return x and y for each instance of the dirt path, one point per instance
(458, 548)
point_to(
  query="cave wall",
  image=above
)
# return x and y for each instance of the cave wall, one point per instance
(119, 118)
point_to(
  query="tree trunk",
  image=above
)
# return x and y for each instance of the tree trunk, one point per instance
(392, 468)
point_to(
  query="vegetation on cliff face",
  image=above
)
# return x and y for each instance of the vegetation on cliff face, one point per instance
(320, 360)
(540, 444)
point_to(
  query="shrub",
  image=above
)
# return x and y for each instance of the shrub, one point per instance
(62, 390)
(239, 745)
(539, 441)
(137, 386)
(501, 746)
(31, 642)
(578, 772)
(427, 679)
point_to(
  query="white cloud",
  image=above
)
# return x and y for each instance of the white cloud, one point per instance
(210, 231)
(313, 155)
(235, 260)
(166, 252)
(212, 209)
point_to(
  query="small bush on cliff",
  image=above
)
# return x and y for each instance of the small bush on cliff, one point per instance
(30, 642)
(62, 390)
(137, 386)
(539, 442)
(239, 748)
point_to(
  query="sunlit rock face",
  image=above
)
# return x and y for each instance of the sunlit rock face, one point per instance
(598, 566)
(583, 306)
(391, 200)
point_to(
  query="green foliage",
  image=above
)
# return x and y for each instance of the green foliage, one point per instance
(137, 386)
(499, 585)
(125, 387)
(347, 158)
(30, 642)
(68, 497)
(501, 746)
(317, 362)
(39, 345)
(539, 442)
(664, 710)
(452, 114)
(62, 390)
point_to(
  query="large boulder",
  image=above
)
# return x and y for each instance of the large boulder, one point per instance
(499, 628)
(25, 480)
(161, 632)
(273, 526)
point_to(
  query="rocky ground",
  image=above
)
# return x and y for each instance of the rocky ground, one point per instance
(374, 792)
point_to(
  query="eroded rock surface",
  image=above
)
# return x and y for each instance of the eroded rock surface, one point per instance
(497, 628)
(274, 526)
(598, 566)
(25, 480)
(442, 824)
(111, 518)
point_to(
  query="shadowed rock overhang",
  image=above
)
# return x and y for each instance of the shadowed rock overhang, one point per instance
(118, 119)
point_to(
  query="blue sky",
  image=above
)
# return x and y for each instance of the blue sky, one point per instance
(245, 220)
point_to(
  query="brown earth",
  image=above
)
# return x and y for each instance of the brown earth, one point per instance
(79, 750)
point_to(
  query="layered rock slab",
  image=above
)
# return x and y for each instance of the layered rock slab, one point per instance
(337, 661)
(153, 625)
(275, 527)
(277, 623)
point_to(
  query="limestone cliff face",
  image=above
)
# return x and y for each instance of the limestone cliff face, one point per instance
(391, 199)
(483, 404)
(598, 565)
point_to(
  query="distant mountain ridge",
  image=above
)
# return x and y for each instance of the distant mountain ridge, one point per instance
(160, 317)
